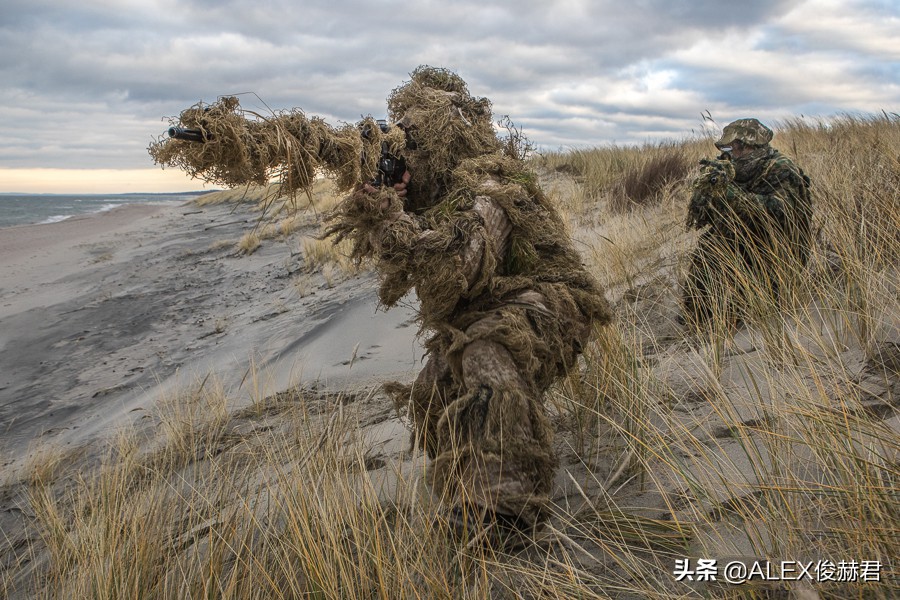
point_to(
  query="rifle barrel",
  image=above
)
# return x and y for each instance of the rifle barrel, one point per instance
(190, 135)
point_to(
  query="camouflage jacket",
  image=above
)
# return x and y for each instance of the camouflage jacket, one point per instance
(773, 199)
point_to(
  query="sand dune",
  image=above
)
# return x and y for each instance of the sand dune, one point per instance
(100, 315)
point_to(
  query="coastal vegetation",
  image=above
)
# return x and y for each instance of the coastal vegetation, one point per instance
(776, 442)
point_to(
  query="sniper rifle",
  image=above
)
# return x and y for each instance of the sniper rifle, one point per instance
(390, 167)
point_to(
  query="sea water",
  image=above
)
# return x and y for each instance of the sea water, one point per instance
(26, 209)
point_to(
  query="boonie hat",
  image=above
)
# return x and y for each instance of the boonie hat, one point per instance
(750, 132)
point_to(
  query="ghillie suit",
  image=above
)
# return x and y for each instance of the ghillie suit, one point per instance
(758, 210)
(504, 301)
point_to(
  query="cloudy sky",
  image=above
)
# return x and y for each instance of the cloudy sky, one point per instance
(86, 85)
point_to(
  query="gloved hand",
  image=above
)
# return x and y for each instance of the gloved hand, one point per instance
(714, 175)
(712, 187)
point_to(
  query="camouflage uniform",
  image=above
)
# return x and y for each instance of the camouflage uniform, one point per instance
(504, 299)
(759, 210)
(511, 332)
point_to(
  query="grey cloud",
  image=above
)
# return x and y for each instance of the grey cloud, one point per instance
(64, 65)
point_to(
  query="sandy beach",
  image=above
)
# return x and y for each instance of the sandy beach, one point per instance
(111, 325)
(100, 315)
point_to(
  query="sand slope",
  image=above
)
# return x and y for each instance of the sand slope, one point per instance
(101, 315)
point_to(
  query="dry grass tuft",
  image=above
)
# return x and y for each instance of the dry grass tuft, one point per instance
(647, 182)
(249, 242)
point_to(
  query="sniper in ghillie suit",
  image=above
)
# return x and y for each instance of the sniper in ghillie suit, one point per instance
(505, 304)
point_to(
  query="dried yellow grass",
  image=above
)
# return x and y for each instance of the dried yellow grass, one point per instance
(249, 242)
(786, 451)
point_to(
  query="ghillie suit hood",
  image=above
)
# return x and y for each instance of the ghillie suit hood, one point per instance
(444, 125)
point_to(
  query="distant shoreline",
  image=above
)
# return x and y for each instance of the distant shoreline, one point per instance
(18, 210)
(191, 193)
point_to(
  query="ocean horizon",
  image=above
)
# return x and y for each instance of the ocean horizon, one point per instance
(32, 209)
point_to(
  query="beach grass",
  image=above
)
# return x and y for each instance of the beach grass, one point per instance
(777, 442)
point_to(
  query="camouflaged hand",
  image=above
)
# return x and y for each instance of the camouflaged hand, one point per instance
(711, 189)
(714, 174)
